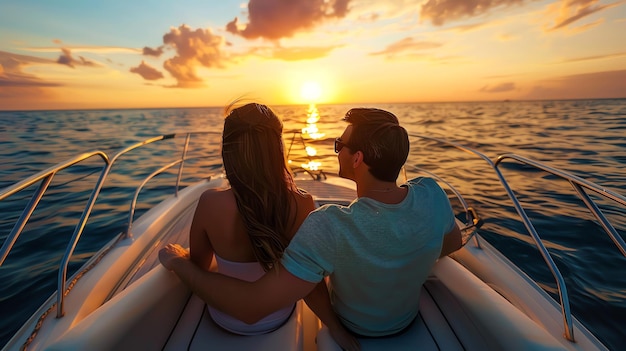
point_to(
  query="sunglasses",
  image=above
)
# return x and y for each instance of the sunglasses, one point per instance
(339, 145)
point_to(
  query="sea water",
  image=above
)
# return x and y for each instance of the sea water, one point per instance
(584, 137)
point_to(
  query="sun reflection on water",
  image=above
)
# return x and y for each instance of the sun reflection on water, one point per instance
(311, 129)
(312, 132)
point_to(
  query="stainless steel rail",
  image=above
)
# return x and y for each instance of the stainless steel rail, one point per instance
(471, 216)
(46, 176)
(62, 276)
(298, 139)
(579, 185)
(180, 162)
(472, 221)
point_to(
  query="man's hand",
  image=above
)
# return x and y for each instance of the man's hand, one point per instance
(170, 253)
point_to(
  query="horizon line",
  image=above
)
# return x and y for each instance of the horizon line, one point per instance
(313, 103)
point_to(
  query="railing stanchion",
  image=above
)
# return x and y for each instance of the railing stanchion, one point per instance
(182, 162)
(21, 222)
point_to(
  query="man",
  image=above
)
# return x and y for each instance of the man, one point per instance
(377, 252)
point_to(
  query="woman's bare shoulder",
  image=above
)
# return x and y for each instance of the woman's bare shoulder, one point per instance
(303, 196)
(304, 203)
(216, 197)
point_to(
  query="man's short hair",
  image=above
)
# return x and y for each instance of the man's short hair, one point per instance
(383, 142)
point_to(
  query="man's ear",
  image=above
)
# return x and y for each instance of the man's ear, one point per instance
(357, 159)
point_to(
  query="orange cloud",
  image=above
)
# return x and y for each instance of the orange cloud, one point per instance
(468, 27)
(595, 57)
(406, 45)
(275, 19)
(193, 48)
(301, 53)
(441, 11)
(21, 86)
(571, 11)
(67, 59)
(11, 74)
(147, 72)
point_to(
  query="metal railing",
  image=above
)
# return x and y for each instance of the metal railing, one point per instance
(45, 178)
(297, 140)
(579, 185)
(472, 221)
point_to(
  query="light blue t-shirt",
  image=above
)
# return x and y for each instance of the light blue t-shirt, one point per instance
(377, 255)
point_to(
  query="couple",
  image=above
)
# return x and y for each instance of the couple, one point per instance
(273, 248)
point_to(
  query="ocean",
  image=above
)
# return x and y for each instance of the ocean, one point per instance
(584, 137)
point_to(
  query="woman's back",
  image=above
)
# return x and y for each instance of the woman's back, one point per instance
(248, 226)
(220, 230)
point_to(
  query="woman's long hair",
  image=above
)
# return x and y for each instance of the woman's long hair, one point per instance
(256, 168)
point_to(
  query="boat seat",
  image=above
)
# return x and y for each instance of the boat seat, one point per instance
(195, 330)
(430, 331)
(459, 312)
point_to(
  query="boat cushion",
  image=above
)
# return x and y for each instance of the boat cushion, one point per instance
(196, 330)
(458, 311)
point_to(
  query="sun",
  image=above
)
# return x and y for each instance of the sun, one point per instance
(311, 91)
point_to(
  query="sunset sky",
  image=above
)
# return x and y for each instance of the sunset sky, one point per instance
(72, 54)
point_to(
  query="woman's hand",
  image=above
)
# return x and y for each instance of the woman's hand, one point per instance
(170, 253)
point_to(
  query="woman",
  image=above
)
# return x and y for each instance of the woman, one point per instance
(246, 227)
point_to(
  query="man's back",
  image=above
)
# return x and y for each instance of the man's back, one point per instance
(377, 255)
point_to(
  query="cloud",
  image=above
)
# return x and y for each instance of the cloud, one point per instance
(153, 52)
(606, 84)
(406, 45)
(500, 88)
(441, 11)
(302, 53)
(275, 19)
(67, 59)
(595, 57)
(193, 48)
(21, 86)
(468, 27)
(11, 74)
(571, 11)
(147, 72)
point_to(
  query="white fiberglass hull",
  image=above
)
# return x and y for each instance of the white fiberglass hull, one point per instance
(129, 301)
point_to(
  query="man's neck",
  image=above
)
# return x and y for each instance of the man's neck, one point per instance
(385, 192)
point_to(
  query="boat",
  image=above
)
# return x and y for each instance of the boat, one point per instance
(122, 298)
